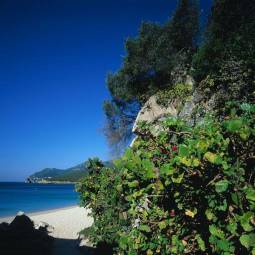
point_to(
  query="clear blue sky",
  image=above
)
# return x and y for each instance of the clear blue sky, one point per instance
(54, 57)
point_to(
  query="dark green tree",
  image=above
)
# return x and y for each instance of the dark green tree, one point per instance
(185, 25)
(230, 34)
(140, 73)
(151, 56)
(148, 67)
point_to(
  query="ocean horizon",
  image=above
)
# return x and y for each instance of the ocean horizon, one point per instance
(35, 197)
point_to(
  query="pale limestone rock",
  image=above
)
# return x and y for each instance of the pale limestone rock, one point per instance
(152, 111)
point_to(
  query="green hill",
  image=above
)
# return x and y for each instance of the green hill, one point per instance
(72, 174)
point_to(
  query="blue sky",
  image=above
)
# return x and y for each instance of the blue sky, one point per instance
(54, 57)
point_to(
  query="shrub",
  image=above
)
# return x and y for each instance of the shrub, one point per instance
(180, 92)
(186, 191)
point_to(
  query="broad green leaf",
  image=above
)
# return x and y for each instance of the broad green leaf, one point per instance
(211, 157)
(186, 161)
(145, 228)
(177, 245)
(223, 245)
(196, 162)
(175, 239)
(137, 193)
(123, 242)
(148, 168)
(221, 186)
(245, 220)
(201, 243)
(180, 206)
(245, 134)
(216, 232)
(248, 241)
(209, 214)
(133, 184)
(183, 150)
(250, 194)
(119, 188)
(234, 125)
(235, 198)
(167, 169)
(162, 225)
(232, 227)
(202, 145)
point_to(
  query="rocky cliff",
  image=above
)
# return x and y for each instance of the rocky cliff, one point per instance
(192, 108)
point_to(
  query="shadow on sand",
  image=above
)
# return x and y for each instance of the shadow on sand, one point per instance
(70, 247)
(21, 237)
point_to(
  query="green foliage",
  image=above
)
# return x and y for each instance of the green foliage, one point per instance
(99, 191)
(188, 190)
(185, 25)
(230, 34)
(72, 174)
(152, 62)
(234, 81)
(153, 54)
(179, 92)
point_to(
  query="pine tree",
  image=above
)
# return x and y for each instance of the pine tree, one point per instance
(147, 67)
(185, 25)
(230, 33)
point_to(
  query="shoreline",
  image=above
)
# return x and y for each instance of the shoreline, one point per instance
(65, 223)
(36, 213)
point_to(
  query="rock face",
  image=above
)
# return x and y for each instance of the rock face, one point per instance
(187, 112)
(152, 112)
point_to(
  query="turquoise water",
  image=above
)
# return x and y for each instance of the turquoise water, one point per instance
(28, 198)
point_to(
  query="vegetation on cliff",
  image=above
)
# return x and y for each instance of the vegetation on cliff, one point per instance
(152, 60)
(161, 56)
(187, 188)
(186, 191)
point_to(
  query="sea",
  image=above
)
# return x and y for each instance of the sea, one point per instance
(33, 197)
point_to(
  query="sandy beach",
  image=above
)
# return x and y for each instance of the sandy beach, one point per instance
(66, 223)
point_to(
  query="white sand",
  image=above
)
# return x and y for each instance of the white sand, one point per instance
(67, 223)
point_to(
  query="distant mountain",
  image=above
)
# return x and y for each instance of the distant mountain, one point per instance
(54, 175)
(48, 175)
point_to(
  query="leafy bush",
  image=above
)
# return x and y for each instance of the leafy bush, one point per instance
(180, 92)
(234, 81)
(190, 190)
